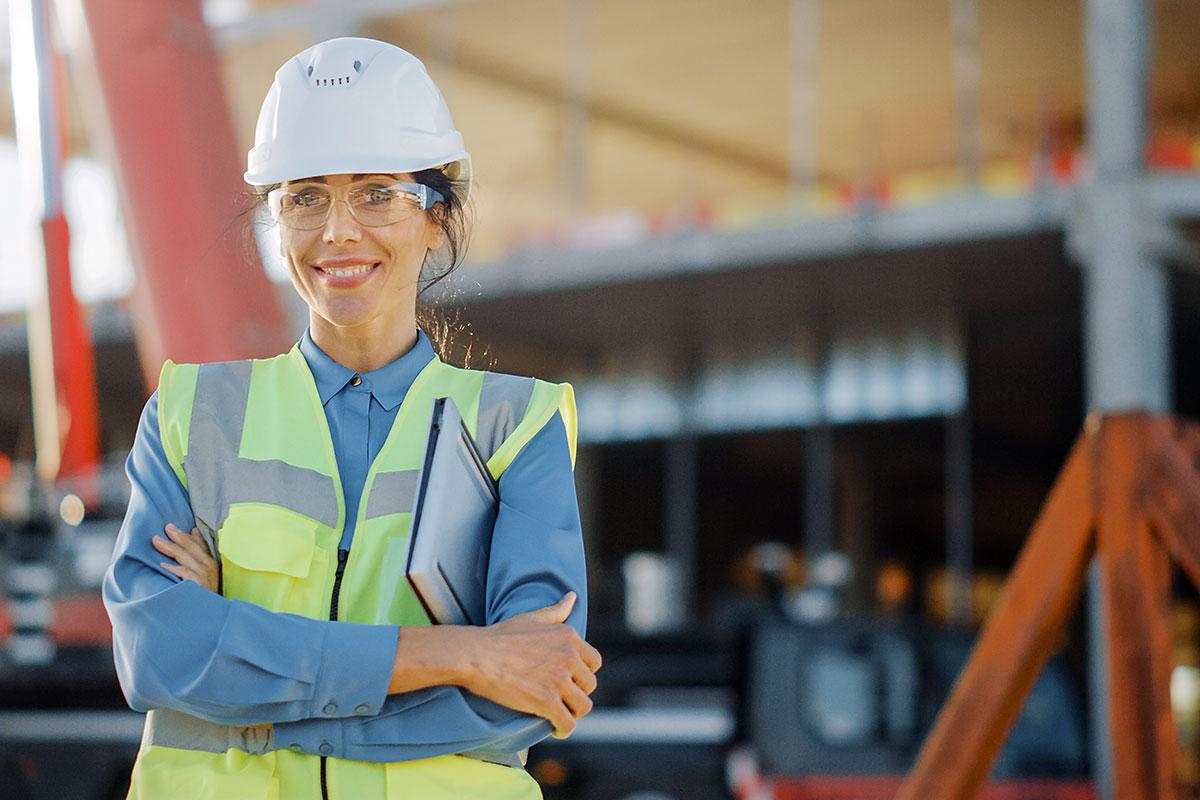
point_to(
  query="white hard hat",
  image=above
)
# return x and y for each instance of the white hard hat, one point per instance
(353, 105)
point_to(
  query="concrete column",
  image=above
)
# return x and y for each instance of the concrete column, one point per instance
(818, 491)
(804, 18)
(681, 500)
(960, 537)
(964, 20)
(1126, 297)
(576, 112)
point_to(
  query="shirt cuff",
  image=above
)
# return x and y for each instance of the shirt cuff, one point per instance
(356, 668)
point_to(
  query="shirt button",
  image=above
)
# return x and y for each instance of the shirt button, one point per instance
(294, 748)
(364, 708)
(326, 748)
(330, 708)
(357, 380)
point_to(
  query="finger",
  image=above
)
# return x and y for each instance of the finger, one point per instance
(557, 612)
(584, 678)
(167, 547)
(187, 558)
(183, 573)
(591, 656)
(194, 544)
(575, 700)
(180, 572)
(186, 541)
(562, 720)
(201, 542)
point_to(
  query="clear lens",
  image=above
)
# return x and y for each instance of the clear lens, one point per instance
(372, 204)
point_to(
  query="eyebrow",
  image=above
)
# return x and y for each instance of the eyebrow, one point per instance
(355, 177)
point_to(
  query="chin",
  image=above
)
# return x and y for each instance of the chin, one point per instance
(347, 315)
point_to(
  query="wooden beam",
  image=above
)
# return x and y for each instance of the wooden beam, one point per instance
(1137, 585)
(1172, 492)
(1015, 643)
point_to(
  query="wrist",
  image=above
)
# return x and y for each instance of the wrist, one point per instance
(434, 655)
(463, 662)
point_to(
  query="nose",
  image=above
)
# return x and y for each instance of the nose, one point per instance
(340, 226)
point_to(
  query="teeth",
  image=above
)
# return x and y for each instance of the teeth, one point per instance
(342, 273)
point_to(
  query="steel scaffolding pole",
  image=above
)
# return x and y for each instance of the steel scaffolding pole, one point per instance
(804, 21)
(1126, 297)
(62, 369)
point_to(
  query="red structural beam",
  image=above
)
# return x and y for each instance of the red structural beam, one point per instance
(1130, 493)
(74, 367)
(201, 293)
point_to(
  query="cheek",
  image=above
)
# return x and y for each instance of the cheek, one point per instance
(292, 247)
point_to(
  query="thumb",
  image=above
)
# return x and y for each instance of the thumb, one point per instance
(557, 612)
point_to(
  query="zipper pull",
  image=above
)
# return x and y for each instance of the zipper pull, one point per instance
(343, 555)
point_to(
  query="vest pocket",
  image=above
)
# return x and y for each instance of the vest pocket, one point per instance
(269, 556)
(168, 773)
(455, 777)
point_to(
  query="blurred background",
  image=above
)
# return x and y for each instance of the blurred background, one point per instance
(835, 281)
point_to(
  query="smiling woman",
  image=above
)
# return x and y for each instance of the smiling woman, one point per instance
(266, 663)
(304, 206)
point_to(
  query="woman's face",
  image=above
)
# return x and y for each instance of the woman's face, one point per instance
(350, 274)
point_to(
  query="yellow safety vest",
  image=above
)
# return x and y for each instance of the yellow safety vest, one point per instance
(250, 442)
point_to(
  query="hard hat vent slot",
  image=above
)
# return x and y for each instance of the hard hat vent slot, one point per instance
(324, 78)
(330, 68)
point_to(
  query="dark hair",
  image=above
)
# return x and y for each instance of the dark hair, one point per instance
(454, 215)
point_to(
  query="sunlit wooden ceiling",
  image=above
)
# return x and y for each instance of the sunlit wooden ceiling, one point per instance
(689, 99)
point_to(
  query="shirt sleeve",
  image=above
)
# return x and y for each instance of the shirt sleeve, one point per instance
(537, 557)
(177, 645)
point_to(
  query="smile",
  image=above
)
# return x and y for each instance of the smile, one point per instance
(346, 276)
(342, 272)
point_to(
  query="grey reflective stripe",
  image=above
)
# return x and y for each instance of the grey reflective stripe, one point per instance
(218, 413)
(502, 403)
(166, 727)
(392, 492)
(216, 476)
(503, 759)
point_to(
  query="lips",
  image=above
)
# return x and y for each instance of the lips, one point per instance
(345, 273)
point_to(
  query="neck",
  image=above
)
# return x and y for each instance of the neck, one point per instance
(366, 347)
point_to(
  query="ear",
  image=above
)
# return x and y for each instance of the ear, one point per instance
(437, 236)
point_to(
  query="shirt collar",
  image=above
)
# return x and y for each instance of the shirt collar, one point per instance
(388, 384)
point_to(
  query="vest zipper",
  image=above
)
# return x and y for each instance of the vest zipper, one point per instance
(337, 584)
(343, 555)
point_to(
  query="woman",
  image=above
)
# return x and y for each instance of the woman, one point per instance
(290, 670)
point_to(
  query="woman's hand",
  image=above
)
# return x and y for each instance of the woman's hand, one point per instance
(193, 561)
(535, 663)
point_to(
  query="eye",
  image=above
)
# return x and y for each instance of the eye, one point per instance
(379, 195)
(307, 198)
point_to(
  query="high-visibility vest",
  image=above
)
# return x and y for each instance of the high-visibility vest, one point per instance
(250, 442)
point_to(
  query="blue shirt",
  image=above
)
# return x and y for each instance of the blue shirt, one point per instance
(324, 684)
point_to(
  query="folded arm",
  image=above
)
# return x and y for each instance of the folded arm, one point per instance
(536, 558)
(177, 645)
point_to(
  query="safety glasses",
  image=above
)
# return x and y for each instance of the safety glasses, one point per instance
(306, 207)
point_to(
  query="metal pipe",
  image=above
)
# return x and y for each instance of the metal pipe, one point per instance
(1126, 295)
(62, 370)
(804, 23)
